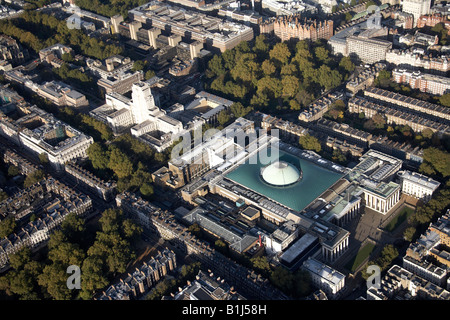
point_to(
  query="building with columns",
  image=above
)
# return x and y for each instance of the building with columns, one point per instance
(374, 174)
(323, 276)
(141, 114)
(417, 185)
(382, 197)
(331, 253)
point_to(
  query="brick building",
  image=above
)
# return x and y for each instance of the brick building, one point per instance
(288, 27)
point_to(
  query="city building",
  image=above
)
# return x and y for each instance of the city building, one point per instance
(110, 67)
(104, 189)
(442, 228)
(430, 20)
(412, 157)
(419, 59)
(412, 104)
(138, 283)
(417, 8)
(40, 132)
(368, 50)
(419, 39)
(12, 51)
(206, 106)
(318, 108)
(53, 55)
(231, 175)
(426, 270)
(236, 11)
(401, 284)
(324, 277)
(417, 185)
(216, 33)
(425, 82)
(206, 287)
(363, 78)
(286, 8)
(374, 173)
(250, 284)
(296, 27)
(120, 83)
(61, 94)
(364, 40)
(25, 167)
(140, 113)
(394, 113)
(51, 201)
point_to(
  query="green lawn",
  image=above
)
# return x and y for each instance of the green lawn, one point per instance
(362, 254)
(399, 219)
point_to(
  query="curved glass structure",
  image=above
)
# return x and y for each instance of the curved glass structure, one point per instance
(280, 174)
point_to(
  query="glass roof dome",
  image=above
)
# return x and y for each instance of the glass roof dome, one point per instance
(280, 174)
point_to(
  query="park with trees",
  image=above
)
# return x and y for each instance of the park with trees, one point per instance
(277, 77)
(102, 251)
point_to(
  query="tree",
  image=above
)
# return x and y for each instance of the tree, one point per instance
(13, 171)
(73, 227)
(33, 178)
(439, 160)
(289, 70)
(195, 230)
(119, 162)
(408, 234)
(270, 86)
(308, 142)
(215, 67)
(261, 264)
(54, 280)
(146, 190)
(268, 67)
(302, 283)
(189, 271)
(260, 44)
(221, 246)
(280, 52)
(378, 121)
(223, 117)
(3, 195)
(138, 65)
(445, 99)
(238, 110)
(383, 79)
(149, 74)
(339, 156)
(131, 230)
(347, 64)
(290, 86)
(19, 259)
(92, 277)
(388, 254)
(67, 57)
(328, 78)
(43, 158)
(7, 226)
(322, 54)
(283, 279)
(427, 133)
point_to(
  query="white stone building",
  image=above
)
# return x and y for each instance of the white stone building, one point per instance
(417, 8)
(324, 277)
(417, 185)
